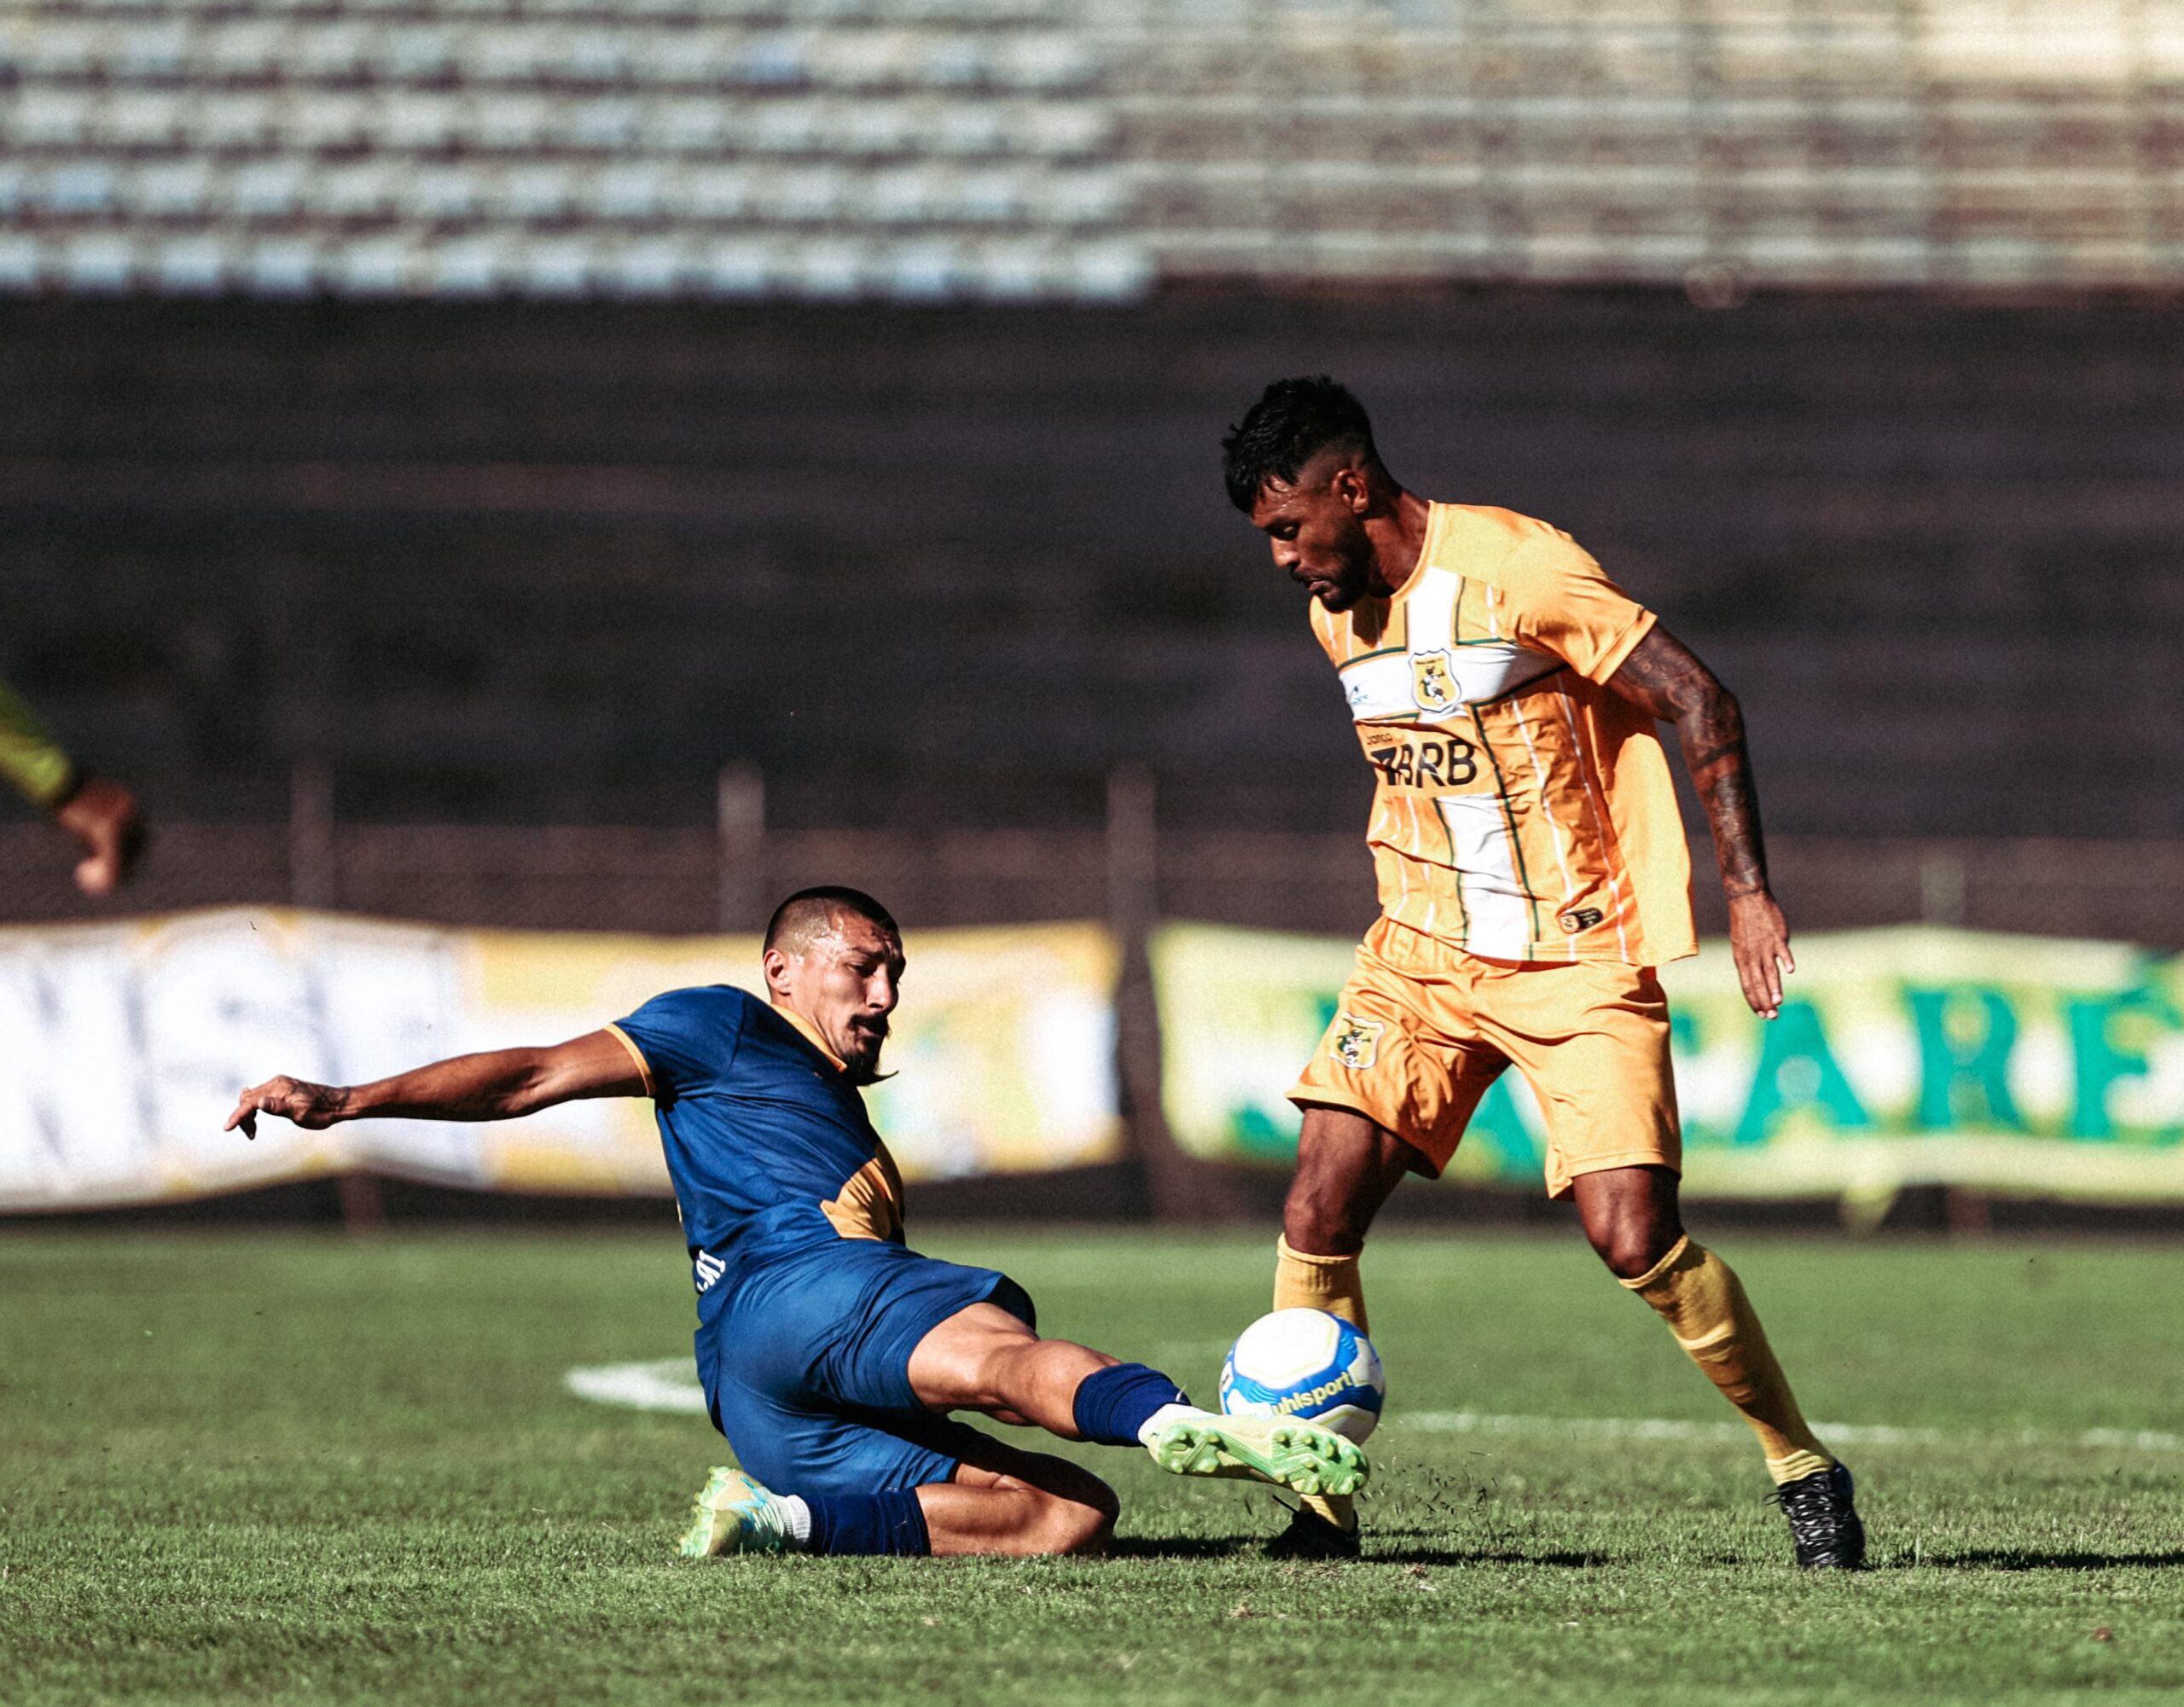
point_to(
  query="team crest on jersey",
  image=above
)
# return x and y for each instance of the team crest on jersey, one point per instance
(1356, 1042)
(1433, 681)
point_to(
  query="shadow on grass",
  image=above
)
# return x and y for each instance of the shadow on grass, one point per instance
(1252, 1547)
(2027, 1558)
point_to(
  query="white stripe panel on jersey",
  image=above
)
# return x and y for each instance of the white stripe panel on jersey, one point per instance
(1494, 902)
(1380, 689)
(1429, 612)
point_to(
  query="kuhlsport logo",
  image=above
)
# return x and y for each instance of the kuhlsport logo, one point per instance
(1312, 1396)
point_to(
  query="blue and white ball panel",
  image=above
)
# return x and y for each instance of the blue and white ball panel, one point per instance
(1306, 1363)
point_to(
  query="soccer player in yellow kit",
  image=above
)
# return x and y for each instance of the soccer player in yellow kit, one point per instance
(1532, 874)
(101, 815)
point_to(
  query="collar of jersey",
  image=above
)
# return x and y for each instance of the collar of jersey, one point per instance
(811, 1034)
(1436, 518)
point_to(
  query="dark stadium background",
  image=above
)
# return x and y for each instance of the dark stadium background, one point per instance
(627, 607)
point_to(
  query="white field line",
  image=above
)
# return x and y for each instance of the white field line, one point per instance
(667, 1384)
(1848, 1434)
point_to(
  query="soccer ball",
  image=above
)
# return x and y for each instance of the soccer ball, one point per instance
(1306, 1363)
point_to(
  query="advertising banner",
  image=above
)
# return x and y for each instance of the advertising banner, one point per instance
(123, 1047)
(2022, 1065)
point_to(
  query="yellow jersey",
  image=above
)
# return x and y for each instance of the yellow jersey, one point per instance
(1523, 811)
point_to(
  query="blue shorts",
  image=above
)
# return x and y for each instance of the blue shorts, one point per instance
(807, 1366)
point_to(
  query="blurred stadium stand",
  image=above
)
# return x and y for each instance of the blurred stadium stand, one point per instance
(521, 410)
(1013, 149)
(933, 569)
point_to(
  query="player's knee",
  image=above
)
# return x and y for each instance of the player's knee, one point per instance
(1630, 1247)
(1323, 1217)
(1083, 1526)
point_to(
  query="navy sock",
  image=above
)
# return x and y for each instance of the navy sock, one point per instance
(1111, 1404)
(889, 1522)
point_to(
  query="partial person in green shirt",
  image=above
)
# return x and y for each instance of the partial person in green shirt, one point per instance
(101, 815)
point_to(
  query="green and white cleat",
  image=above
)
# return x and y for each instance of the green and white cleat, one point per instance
(733, 1514)
(1287, 1451)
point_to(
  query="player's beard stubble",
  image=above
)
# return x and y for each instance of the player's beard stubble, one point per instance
(866, 1039)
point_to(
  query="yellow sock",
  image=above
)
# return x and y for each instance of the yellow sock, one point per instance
(1302, 1282)
(1701, 1298)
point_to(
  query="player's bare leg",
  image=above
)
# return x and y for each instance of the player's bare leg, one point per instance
(984, 1359)
(1013, 1503)
(1347, 1166)
(1019, 1503)
(1632, 1218)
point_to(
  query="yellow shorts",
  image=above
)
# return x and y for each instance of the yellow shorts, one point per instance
(1422, 1030)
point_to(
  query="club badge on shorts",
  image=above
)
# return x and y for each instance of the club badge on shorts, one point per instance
(1356, 1043)
(1433, 681)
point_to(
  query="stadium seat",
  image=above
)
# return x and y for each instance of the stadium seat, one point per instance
(906, 195)
(738, 267)
(228, 119)
(170, 189)
(543, 191)
(375, 266)
(136, 119)
(708, 194)
(268, 188)
(631, 191)
(559, 266)
(411, 53)
(649, 267)
(603, 124)
(41, 117)
(472, 266)
(418, 119)
(437, 194)
(281, 266)
(324, 120)
(690, 125)
(22, 262)
(98, 263)
(79, 188)
(200, 265)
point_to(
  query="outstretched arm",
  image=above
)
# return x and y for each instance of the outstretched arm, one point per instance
(497, 1085)
(1664, 677)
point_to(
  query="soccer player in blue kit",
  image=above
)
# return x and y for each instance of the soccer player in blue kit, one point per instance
(830, 1351)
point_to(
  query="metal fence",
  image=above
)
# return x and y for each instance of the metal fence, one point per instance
(725, 878)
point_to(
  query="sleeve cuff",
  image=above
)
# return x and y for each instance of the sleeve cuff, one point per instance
(637, 1055)
(1611, 657)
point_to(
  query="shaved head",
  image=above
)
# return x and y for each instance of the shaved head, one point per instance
(810, 915)
(833, 956)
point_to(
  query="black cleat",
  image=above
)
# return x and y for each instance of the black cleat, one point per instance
(1823, 1522)
(1310, 1536)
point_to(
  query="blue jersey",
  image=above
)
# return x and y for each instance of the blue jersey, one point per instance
(767, 1142)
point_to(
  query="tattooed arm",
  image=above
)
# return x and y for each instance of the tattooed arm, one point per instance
(1664, 677)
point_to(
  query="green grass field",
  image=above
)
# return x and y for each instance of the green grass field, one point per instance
(302, 1469)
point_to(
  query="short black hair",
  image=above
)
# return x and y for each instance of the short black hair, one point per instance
(808, 914)
(1293, 420)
